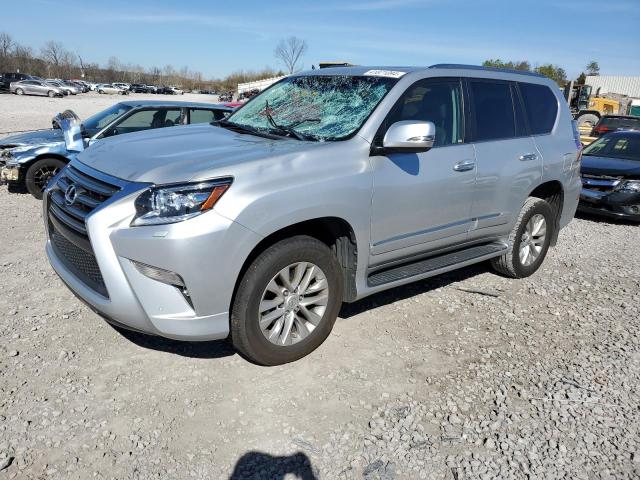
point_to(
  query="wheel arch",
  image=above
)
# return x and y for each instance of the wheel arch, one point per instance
(27, 165)
(335, 232)
(552, 192)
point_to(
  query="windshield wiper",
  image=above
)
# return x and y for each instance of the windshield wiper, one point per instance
(288, 129)
(237, 127)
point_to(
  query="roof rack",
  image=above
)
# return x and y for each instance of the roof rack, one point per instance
(486, 69)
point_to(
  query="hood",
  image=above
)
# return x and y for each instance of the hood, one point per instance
(614, 167)
(182, 154)
(38, 138)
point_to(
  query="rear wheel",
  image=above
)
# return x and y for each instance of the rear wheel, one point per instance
(19, 91)
(39, 174)
(529, 239)
(287, 301)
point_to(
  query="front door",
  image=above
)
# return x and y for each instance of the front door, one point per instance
(423, 201)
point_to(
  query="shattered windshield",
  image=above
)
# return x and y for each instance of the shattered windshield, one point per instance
(318, 107)
(97, 122)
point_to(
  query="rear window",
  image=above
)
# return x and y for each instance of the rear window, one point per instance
(620, 122)
(542, 107)
(493, 107)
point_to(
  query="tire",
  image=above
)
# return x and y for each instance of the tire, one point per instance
(588, 119)
(100, 92)
(51, 94)
(19, 91)
(249, 338)
(511, 264)
(39, 174)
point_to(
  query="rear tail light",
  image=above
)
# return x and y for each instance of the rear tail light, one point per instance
(601, 129)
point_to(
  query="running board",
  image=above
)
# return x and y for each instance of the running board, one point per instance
(439, 264)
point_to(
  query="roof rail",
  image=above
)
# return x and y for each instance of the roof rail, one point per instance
(486, 69)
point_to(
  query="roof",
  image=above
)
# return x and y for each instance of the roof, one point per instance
(170, 103)
(361, 70)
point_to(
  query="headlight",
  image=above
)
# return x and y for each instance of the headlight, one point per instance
(629, 186)
(175, 203)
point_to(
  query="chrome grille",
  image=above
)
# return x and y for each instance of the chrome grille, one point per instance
(90, 193)
(600, 183)
(67, 215)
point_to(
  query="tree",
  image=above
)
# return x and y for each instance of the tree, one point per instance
(581, 79)
(290, 52)
(523, 65)
(593, 68)
(6, 44)
(554, 72)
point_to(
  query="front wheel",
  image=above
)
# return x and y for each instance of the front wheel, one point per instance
(529, 240)
(39, 174)
(287, 301)
(51, 93)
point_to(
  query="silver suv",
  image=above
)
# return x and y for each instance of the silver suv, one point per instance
(329, 186)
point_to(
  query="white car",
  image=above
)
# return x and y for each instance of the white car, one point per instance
(123, 86)
(109, 88)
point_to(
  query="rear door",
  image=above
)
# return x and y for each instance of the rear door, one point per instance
(508, 162)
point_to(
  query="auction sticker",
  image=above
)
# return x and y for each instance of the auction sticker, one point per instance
(384, 73)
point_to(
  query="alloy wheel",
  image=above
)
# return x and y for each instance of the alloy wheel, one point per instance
(293, 304)
(43, 175)
(532, 240)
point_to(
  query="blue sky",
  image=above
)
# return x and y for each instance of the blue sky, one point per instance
(218, 37)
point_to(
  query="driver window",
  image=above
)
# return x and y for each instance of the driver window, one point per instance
(439, 102)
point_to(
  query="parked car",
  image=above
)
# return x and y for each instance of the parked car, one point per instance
(170, 91)
(326, 187)
(613, 123)
(123, 86)
(7, 78)
(139, 88)
(66, 89)
(108, 88)
(31, 159)
(611, 176)
(35, 87)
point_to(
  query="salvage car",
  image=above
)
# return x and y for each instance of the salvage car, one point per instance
(611, 176)
(36, 87)
(29, 160)
(108, 88)
(326, 187)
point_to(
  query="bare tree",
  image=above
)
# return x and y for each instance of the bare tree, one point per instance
(6, 44)
(290, 52)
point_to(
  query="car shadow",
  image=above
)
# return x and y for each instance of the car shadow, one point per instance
(412, 289)
(209, 349)
(262, 466)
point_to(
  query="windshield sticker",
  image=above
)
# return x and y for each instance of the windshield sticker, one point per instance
(384, 73)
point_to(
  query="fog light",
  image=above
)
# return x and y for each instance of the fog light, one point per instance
(159, 274)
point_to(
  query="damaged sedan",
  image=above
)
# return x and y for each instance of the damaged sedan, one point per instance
(611, 176)
(28, 161)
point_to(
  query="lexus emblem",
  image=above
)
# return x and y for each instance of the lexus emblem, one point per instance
(70, 194)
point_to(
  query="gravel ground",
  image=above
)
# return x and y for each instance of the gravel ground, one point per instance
(469, 375)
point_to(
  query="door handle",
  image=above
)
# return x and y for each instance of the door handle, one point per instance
(528, 156)
(464, 165)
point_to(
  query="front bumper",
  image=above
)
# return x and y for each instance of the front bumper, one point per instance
(207, 252)
(620, 205)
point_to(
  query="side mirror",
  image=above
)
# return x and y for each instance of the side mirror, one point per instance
(409, 136)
